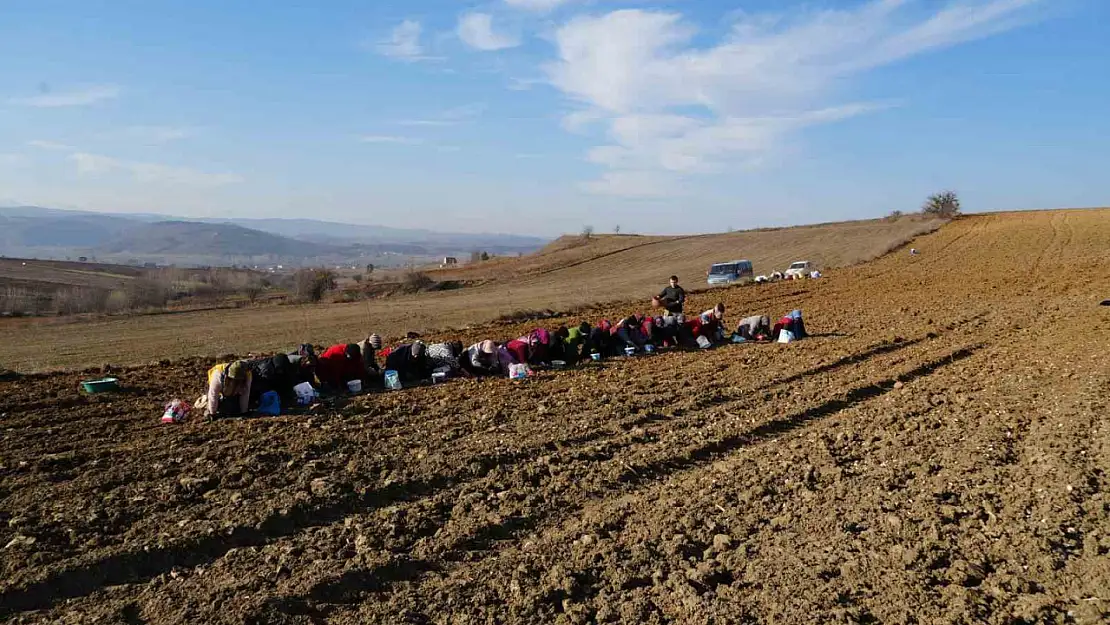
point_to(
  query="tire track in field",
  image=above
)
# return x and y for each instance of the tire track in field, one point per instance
(1057, 236)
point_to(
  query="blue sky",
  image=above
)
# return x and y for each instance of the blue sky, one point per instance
(541, 116)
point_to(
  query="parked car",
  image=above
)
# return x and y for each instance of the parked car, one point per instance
(799, 269)
(731, 272)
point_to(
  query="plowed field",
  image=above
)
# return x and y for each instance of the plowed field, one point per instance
(936, 453)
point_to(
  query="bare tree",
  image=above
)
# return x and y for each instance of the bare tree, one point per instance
(944, 204)
(311, 284)
(587, 232)
(252, 291)
(617, 229)
(415, 281)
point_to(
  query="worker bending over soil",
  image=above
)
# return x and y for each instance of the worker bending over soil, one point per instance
(338, 365)
(229, 390)
(409, 361)
(755, 328)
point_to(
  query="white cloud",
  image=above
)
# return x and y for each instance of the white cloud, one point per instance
(404, 42)
(98, 165)
(49, 145)
(537, 5)
(672, 106)
(94, 163)
(390, 139)
(580, 121)
(476, 31)
(633, 184)
(81, 97)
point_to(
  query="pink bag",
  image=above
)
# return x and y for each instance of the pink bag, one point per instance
(176, 411)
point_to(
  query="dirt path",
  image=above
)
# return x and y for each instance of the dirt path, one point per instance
(937, 453)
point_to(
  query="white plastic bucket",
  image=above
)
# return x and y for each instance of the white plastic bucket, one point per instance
(305, 393)
(354, 386)
(786, 336)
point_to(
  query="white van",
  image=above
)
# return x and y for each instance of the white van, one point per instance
(799, 269)
(732, 272)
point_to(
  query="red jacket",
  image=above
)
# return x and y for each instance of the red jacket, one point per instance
(519, 350)
(334, 369)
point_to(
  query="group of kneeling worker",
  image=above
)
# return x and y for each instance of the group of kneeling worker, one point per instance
(234, 388)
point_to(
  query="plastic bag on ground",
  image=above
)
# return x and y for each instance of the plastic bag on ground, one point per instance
(392, 380)
(176, 411)
(269, 404)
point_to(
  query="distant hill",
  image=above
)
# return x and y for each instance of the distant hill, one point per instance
(22, 229)
(645, 262)
(175, 238)
(32, 231)
(335, 233)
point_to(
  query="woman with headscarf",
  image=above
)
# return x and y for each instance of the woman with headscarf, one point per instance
(518, 350)
(338, 365)
(538, 347)
(712, 324)
(599, 340)
(409, 361)
(755, 328)
(304, 362)
(793, 323)
(622, 334)
(229, 389)
(572, 340)
(369, 347)
(481, 359)
(444, 358)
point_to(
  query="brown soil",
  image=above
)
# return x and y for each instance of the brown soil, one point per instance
(936, 453)
(562, 277)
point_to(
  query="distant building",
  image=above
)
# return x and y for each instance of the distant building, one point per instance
(450, 261)
(83, 259)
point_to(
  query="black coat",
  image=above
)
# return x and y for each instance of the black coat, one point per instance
(273, 374)
(673, 298)
(409, 367)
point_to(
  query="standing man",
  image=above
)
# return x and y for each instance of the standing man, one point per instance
(673, 298)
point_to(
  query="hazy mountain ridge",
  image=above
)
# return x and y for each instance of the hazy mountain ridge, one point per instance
(37, 231)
